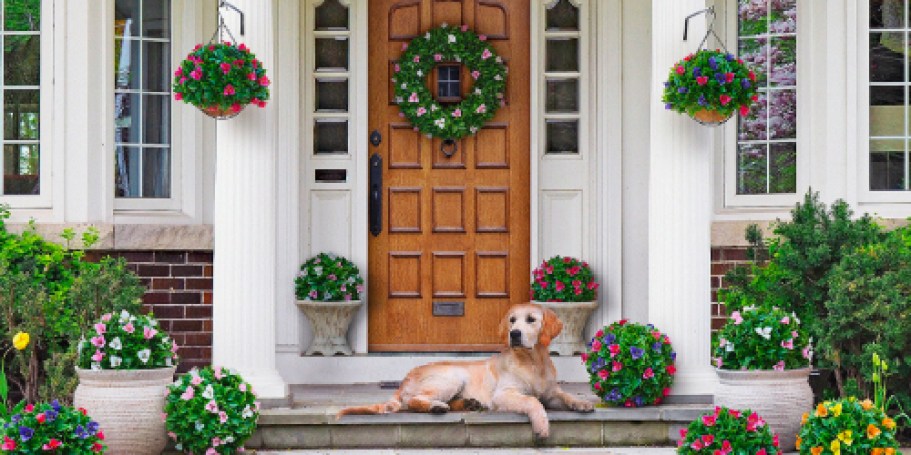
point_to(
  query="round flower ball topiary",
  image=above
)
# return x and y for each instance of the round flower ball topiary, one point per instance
(50, 428)
(221, 79)
(728, 431)
(328, 278)
(847, 427)
(126, 341)
(210, 411)
(563, 279)
(630, 364)
(762, 339)
(710, 81)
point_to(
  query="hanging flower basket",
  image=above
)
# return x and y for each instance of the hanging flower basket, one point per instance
(710, 87)
(221, 79)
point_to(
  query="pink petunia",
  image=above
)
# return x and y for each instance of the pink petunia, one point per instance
(148, 333)
(129, 328)
(486, 54)
(680, 70)
(481, 109)
(106, 317)
(264, 81)
(737, 318)
(457, 113)
(251, 76)
(464, 28)
(724, 99)
(196, 380)
(212, 406)
(709, 420)
(789, 344)
(616, 366)
(614, 349)
(218, 373)
(97, 356)
(98, 341)
(475, 74)
(222, 416)
(421, 111)
(225, 68)
(414, 98)
(648, 374)
(196, 74)
(100, 328)
(559, 286)
(786, 320)
(188, 394)
(596, 345)
(416, 59)
(482, 37)
(779, 366)
(603, 374)
(437, 57)
(178, 96)
(708, 439)
(229, 90)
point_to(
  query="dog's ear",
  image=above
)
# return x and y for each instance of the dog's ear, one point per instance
(551, 326)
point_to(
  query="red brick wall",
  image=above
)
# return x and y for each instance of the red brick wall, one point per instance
(723, 260)
(179, 292)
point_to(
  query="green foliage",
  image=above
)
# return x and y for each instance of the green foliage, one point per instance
(563, 279)
(210, 409)
(221, 74)
(630, 364)
(441, 45)
(326, 277)
(59, 379)
(728, 431)
(847, 427)
(710, 80)
(762, 339)
(129, 342)
(51, 427)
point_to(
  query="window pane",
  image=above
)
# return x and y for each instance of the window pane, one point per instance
(562, 136)
(156, 111)
(783, 54)
(562, 54)
(331, 54)
(753, 17)
(752, 169)
(331, 15)
(22, 15)
(156, 173)
(20, 169)
(562, 95)
(22, 60)
(887, 57)
(126, 18)
(128, 164)
(563, 16)
(754, 127)
(783, 114)
(156, 18)
(127, 69)
(332, 95)
(887, 14)
(330, 136)
(755, 54)
(127, 118)
(783, 168)
(156, 64)
(783, 17)
(887, 169)
(21, 112)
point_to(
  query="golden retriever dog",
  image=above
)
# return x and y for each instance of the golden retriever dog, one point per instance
(521, 378)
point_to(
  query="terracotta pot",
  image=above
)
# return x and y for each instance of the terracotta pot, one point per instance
(127, 404)
(329, 322)
(218, 113)
(779, 397)
(710, 118)
(574, 316)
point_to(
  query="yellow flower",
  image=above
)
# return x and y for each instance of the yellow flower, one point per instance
(804, 418)
(20, 341)
(877, 451)
(890, 451)
(836, 410)
(845, 437)
(816, 450)
(889, 423)
(835, 447)
(872, 431)
(821, 410)
(798, 442)
(866, 404)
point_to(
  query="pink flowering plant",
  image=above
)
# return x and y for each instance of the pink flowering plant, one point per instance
(328, 278)
(713, 81)
(563, 279)
(630, 364)
(210, 411)
(728, 432)
(223, 77)
(761, 339)
(126, 341)
(50, 428)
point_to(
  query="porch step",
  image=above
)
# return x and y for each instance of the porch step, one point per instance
(311, 424)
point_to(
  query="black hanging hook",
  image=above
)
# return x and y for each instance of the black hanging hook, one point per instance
(222, 27)
(710, 29)
(225, 4)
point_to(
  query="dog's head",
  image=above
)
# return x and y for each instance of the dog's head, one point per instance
(527, 326)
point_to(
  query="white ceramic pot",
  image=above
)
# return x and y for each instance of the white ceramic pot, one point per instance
(574, 316)
(329, 323)
(127, 404)
(779, 397)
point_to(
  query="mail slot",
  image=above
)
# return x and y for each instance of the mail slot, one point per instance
(331, 175)
(449, 309)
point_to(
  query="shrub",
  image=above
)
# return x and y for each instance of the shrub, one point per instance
(630, 364)
(563, 279)
(728, 431)
(710, 80)
(761, 339)
(51, 427)
(223, 76)
(326, 277)
(210, 411)
(127, 343)
(847, 427)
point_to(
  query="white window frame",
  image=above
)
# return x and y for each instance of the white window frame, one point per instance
(726, 137)
(46, 119)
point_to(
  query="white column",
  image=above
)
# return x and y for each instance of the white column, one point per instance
(680, 208)
(245, 225)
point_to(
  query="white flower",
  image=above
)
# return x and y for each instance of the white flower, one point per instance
(441, 123)
(499, 59)
(473, 129)
(477, 91)
(144, 355)
(115, 344)
(458, 59)
(729, 347)
(209, 393)
(498, 77)
(318, 270)
(124, 316)
(115, 361)
(96, 366)
(153, 322)
(434, 107)
(420, 73)
(229, 439)
(168, 362)
(247, 412)
(765, 332)
(404, 85)
(427, 35)
(179, 447)
(199, 425)
(398, 100)
(452, 38)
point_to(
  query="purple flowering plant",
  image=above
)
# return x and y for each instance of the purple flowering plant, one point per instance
(328, 278)
(630, 364)
(710, 81)
(50, 428)
(126, 341)
(563, 279)
(210, 411)
(761, 339)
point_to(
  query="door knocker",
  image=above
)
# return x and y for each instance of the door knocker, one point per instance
(449, 147)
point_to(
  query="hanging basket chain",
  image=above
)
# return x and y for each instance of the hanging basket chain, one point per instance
(223, 29)
(710, 29)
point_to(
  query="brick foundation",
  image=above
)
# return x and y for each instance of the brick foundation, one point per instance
(723, 260)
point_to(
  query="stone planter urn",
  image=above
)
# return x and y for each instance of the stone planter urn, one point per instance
(127, 404)
(329, 321)
(574, 316)
(779, 397)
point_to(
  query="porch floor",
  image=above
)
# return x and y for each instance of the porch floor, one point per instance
(310, 423)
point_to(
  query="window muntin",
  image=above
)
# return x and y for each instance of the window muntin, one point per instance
(766, 156)
(562, 75)
(331, 73)
(20, 90)
(142, 104)
(890, 132)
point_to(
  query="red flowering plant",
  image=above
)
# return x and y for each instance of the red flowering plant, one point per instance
(563, 279)
(221, 79)
(761, 339)
(50, 428)
(630, 364)
(713, 81)
(728, 431)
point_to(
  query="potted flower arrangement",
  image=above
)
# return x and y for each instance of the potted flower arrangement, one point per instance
(847, 427)
(567, 286)
(728, 431)
(710, 86)
(210, 411)
(221, 79)
(630, 364)
(123, 371)
(51, 427)
(762, 359)
(328, 290)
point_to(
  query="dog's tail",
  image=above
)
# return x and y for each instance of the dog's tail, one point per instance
(393, 405)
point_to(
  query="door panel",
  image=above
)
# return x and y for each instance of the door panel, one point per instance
(455, 228)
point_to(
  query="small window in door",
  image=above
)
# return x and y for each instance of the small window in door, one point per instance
(449, 83)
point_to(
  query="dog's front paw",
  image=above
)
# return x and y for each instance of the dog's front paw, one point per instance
(474, 405)
(582, 406)
(540, 425)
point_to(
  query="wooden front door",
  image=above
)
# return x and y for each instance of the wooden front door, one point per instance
(455, 230)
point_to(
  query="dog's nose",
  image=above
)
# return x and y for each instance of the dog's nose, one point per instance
(515, 335)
